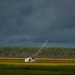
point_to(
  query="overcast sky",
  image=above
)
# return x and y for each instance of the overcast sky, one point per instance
(32, 22)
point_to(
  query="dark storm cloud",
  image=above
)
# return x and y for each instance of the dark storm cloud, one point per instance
(23, 21)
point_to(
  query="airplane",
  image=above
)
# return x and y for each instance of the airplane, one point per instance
(32, 59)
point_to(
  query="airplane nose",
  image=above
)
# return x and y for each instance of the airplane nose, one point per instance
(25, 60)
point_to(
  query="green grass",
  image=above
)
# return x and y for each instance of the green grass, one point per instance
(17, 67)
(11, 69)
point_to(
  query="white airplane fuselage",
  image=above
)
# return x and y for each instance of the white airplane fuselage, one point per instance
(29, 59)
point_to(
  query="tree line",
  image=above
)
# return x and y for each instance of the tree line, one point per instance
(47, 52)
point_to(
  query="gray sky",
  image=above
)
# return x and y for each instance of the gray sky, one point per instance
(32, 22)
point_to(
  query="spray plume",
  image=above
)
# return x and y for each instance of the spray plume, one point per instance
(41, 48)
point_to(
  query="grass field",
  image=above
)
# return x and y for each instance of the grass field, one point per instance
(16, 66)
